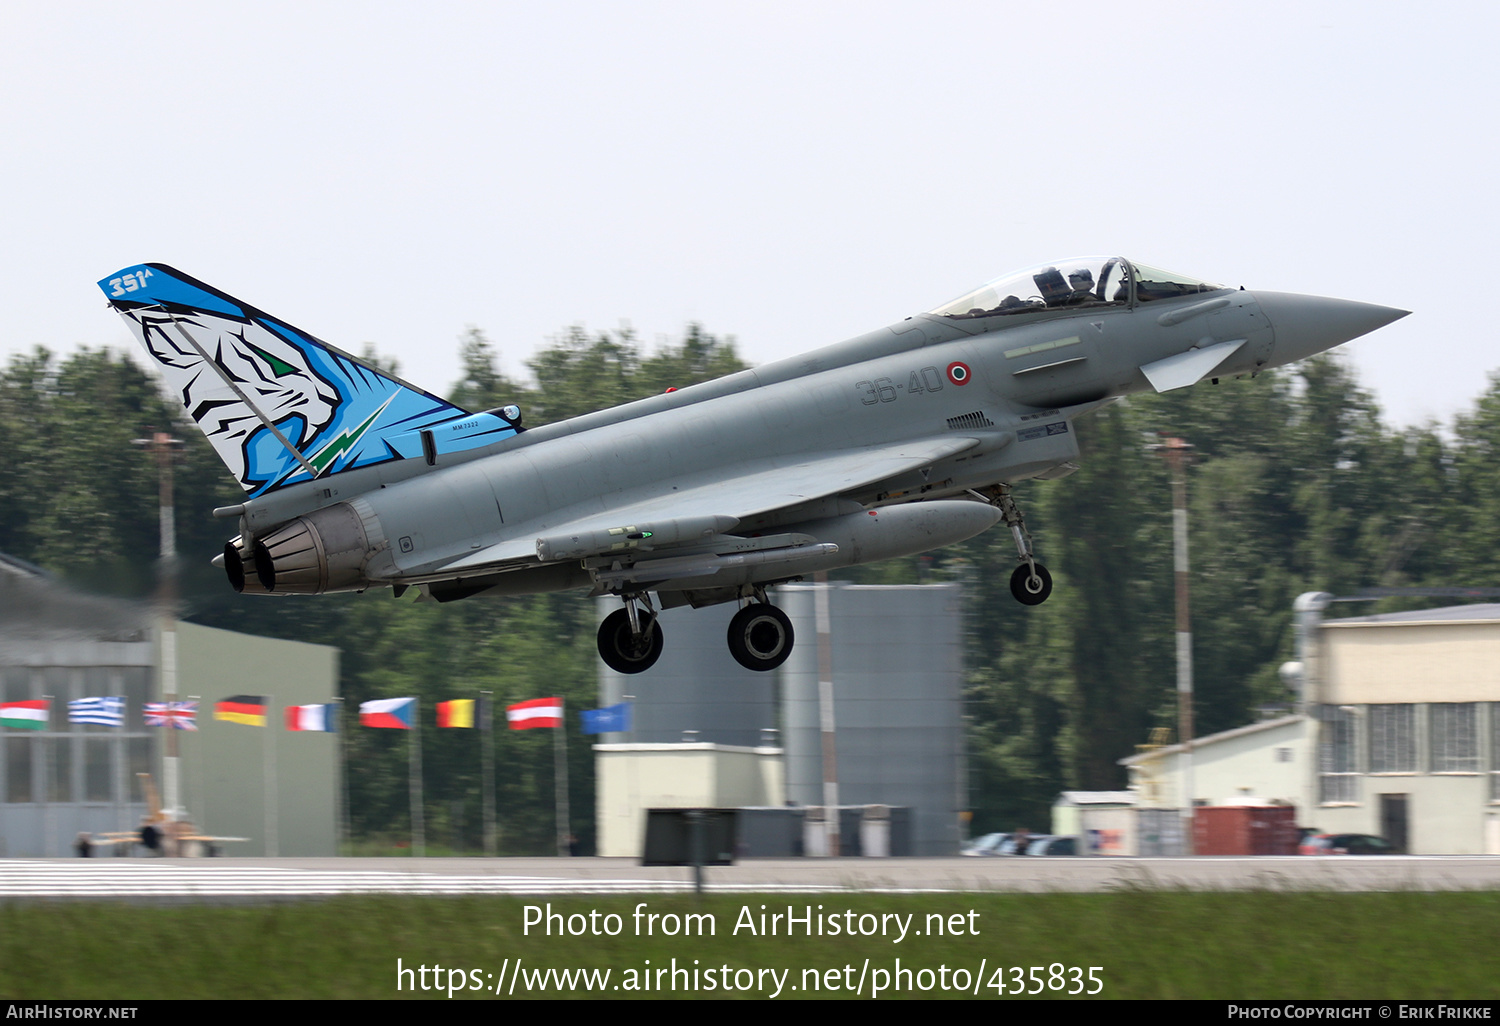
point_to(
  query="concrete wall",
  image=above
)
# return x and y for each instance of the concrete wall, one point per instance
(1410, 661)
(225, 765)
(1273, 761)
(631, 778)
(897, 656)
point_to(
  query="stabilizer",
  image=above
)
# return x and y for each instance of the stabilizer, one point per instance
(279, 406)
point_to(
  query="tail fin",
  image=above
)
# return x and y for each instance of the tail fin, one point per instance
(279, 406)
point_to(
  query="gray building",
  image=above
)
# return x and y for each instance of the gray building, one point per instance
(897, 661)
(276, 788)
(70, 778)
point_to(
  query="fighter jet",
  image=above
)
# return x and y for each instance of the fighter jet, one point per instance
(905, 439)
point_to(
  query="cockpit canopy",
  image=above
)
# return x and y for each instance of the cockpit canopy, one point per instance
(1082, 281)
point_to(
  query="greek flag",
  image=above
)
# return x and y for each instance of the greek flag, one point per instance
(106, 712)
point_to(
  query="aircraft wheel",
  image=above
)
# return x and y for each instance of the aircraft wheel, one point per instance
(1028, 590)
(760, 636)
(622, 651)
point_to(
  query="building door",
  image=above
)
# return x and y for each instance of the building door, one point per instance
(1393, 819)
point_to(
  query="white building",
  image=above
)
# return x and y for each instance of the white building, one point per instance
(1398, 734)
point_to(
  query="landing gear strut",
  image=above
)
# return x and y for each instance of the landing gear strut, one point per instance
(630, 639)
(1030, 582)
(760, 636)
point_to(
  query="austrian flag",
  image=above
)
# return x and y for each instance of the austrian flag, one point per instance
(539, 712)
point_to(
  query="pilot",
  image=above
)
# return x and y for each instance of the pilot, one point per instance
(1082, 283)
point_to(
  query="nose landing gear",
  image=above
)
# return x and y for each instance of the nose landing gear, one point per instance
(1030, 583)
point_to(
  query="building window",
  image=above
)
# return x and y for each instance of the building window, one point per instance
(1338, 777)
(1495, 751)
(1393, 738)
(1455, 737)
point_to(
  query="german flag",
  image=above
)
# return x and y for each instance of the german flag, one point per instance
(247, 709)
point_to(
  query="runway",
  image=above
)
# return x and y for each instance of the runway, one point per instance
(291, 878)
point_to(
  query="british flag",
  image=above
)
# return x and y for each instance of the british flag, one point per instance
(182, 715)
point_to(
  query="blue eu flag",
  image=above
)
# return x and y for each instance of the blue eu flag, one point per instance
(609, 720)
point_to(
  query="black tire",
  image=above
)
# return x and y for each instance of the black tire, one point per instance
(622, 651)
(1027, 591)
(760, 637)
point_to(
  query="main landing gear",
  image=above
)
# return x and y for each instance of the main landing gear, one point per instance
(630, 639)
(760, 635)
(1030, 582)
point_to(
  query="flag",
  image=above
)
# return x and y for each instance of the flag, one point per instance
(181, 715)
(105, 712)
(387, 712)
(539, 712)
(312, 717)
(609, 720)
(24, 715)
(247, 709)
(457, 713)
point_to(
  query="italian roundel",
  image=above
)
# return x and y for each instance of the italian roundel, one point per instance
(958, 372)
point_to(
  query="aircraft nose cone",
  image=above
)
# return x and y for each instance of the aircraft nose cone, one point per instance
(1305, 325)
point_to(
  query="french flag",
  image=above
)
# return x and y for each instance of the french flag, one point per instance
(388, 712)
(310, 717)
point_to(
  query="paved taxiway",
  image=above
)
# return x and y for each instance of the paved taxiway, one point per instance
(240, 878)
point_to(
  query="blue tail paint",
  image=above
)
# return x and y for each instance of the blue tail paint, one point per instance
(279, 406)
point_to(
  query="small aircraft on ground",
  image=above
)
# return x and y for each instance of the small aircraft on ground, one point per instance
(172, 837)
(906, 439)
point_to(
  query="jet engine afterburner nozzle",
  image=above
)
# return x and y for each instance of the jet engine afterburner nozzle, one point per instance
(322, 551)
(239, 558)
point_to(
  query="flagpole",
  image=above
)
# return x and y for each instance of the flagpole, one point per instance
(560, 777)
(198, 772)
(339, 726)
(487, 768)
(268, 774)
(46, 780)
(414, 784)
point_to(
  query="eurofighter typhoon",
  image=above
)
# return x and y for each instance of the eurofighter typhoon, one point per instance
(899, 441)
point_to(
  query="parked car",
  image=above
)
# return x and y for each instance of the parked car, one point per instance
(989, 844)
(1345, 844)
(1056, 845)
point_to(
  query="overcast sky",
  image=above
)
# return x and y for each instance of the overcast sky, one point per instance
(791, 174)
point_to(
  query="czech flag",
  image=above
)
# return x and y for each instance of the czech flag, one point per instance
(457, 713)
(539, 712)
(247, 709)
(388, 712)
(311, 717)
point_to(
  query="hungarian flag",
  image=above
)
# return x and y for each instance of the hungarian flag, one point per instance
(311, 717)
(247, 709)
(457, 713)
(539, 712)
(388, 712)
(24, 715)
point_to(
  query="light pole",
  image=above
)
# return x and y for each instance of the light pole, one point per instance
(1178, 452)
(164, 448)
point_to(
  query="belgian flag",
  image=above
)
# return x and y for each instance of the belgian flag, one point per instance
(457, 713)
(247, 709)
